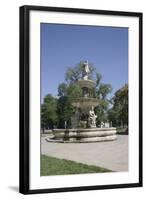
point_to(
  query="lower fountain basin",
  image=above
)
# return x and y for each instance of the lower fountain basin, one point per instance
(83, 135)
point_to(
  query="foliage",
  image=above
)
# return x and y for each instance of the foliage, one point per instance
(101, 111)
(71, 90)
(64, 111)
(98, 79)
(119, 112)
(74, 91)
(102, 90)
(49, 112)
(62, 89)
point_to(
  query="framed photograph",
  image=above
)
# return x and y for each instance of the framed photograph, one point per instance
(80, 99)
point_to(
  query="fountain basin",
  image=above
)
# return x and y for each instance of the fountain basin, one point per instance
(83, 135)
(87, 83)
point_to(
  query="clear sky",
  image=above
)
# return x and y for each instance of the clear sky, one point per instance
(64, 46)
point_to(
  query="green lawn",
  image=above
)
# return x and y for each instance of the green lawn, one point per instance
(55, 166)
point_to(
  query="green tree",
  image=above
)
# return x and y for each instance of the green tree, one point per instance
(101, 111)
(66, 93)
(64, 111)
(49, 112)
(98, 79)
(119, 112)
(62, 89)
(74, 91)
(102, 90)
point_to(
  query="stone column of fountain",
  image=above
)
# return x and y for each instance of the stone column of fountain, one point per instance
(84, 120)
(87, 102)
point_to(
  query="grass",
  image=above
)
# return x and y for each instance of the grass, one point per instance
(55, 166)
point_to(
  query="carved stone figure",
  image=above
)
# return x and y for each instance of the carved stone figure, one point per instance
(92, 118)
(86, 71)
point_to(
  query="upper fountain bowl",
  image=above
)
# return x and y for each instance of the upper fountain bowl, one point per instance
(87, 83)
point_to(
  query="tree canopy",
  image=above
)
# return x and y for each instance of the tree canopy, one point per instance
(49, 112)
(119, 112)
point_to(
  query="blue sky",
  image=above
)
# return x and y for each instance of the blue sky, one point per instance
(64, 46)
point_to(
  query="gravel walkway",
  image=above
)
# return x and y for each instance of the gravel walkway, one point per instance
(112, 155)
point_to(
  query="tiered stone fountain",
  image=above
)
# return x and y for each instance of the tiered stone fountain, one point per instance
(84, 119)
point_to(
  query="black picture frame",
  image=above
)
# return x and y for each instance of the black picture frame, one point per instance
(25, 105)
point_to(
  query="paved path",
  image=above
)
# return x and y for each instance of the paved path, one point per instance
(112, 155)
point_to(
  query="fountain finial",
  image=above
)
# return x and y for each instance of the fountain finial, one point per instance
(86, 70)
